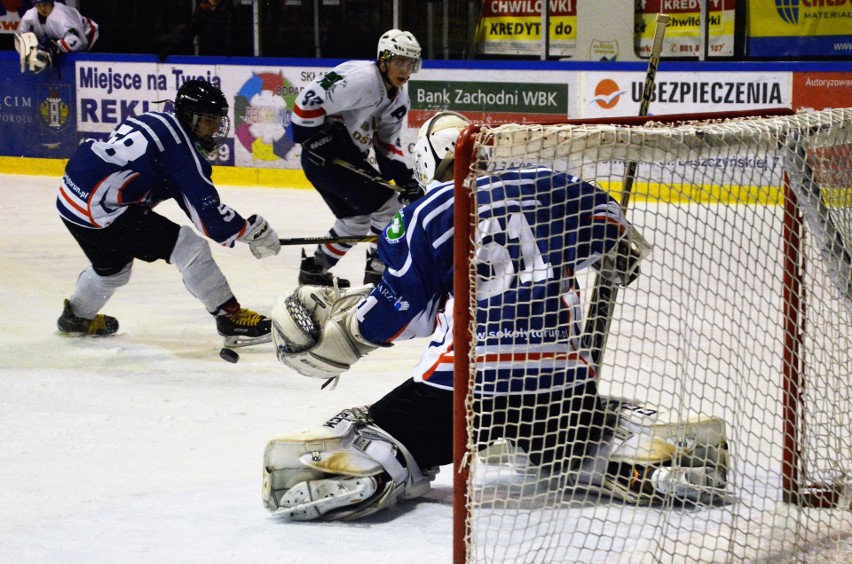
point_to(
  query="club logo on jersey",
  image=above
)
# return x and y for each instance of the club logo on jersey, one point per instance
(396, 230)
(329, 80)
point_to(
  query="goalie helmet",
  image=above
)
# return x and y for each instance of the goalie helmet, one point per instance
(434, 151)
(398, 43)
(203, 111)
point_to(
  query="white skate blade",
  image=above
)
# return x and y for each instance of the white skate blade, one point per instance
(237, 341)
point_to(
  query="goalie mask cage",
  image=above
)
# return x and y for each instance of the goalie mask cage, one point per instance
(742, 311)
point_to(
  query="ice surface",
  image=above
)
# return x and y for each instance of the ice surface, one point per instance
(146, 446)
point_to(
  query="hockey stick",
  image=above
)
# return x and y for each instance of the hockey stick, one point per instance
(604, 294)
(324, 240)
(364, 174)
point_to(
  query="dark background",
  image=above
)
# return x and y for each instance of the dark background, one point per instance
(349, 29)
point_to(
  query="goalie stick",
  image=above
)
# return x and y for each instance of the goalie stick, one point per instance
(327, 240)
(605, 293)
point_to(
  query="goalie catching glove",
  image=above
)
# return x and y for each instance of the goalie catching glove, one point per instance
(316, 330)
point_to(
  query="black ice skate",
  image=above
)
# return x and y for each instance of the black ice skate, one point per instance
(244, 328)
(313, 273)
(374, 269)
(101, 326)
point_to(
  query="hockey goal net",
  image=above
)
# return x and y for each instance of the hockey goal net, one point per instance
(742, 311)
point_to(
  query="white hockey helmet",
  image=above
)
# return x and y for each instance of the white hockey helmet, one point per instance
(434, 151)
(398, 43)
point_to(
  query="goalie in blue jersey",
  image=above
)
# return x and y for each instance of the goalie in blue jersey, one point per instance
(539, 227)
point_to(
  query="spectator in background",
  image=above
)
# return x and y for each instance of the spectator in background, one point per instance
(59, 28)
(214, 22)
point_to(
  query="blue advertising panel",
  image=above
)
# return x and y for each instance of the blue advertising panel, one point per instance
(37, 111)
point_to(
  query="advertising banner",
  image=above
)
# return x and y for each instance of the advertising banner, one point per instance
(822, 90)
(47, 114)
(799, 28)
(607, 94)
(513, 27)
(491, 102)
(683, 34)
(36, 111)
(260, 99)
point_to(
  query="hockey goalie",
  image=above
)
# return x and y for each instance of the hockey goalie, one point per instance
(539, 227)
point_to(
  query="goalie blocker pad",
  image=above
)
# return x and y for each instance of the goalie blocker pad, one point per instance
(620, 265)
(342, 470)
(650, 455)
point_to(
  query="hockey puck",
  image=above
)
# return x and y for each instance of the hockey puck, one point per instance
(229, 355)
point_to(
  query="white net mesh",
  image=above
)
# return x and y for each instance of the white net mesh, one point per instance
(740, 313)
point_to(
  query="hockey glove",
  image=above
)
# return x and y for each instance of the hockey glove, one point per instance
(261, 238)
(316, 330)
(411, 192)
(332, 142)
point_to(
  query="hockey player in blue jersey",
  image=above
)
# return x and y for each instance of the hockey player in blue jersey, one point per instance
(538, 228)
(107, 197)
(337, 119)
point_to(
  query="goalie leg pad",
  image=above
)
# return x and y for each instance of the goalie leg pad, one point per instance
(282, 467)
(345, 469)
(308, 501)
(652, 454)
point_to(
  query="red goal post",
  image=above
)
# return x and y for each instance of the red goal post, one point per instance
(732, 253)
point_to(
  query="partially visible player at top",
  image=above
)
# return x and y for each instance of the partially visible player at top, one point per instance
(57, 29)
(355, 106)
(107, 199)
(536, 383)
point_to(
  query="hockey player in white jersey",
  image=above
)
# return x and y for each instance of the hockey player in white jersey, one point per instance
(365, 459)
(49, 29)
(356, 106)
(106, 201)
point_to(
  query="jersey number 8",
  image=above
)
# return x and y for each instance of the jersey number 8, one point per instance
(123, 146)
